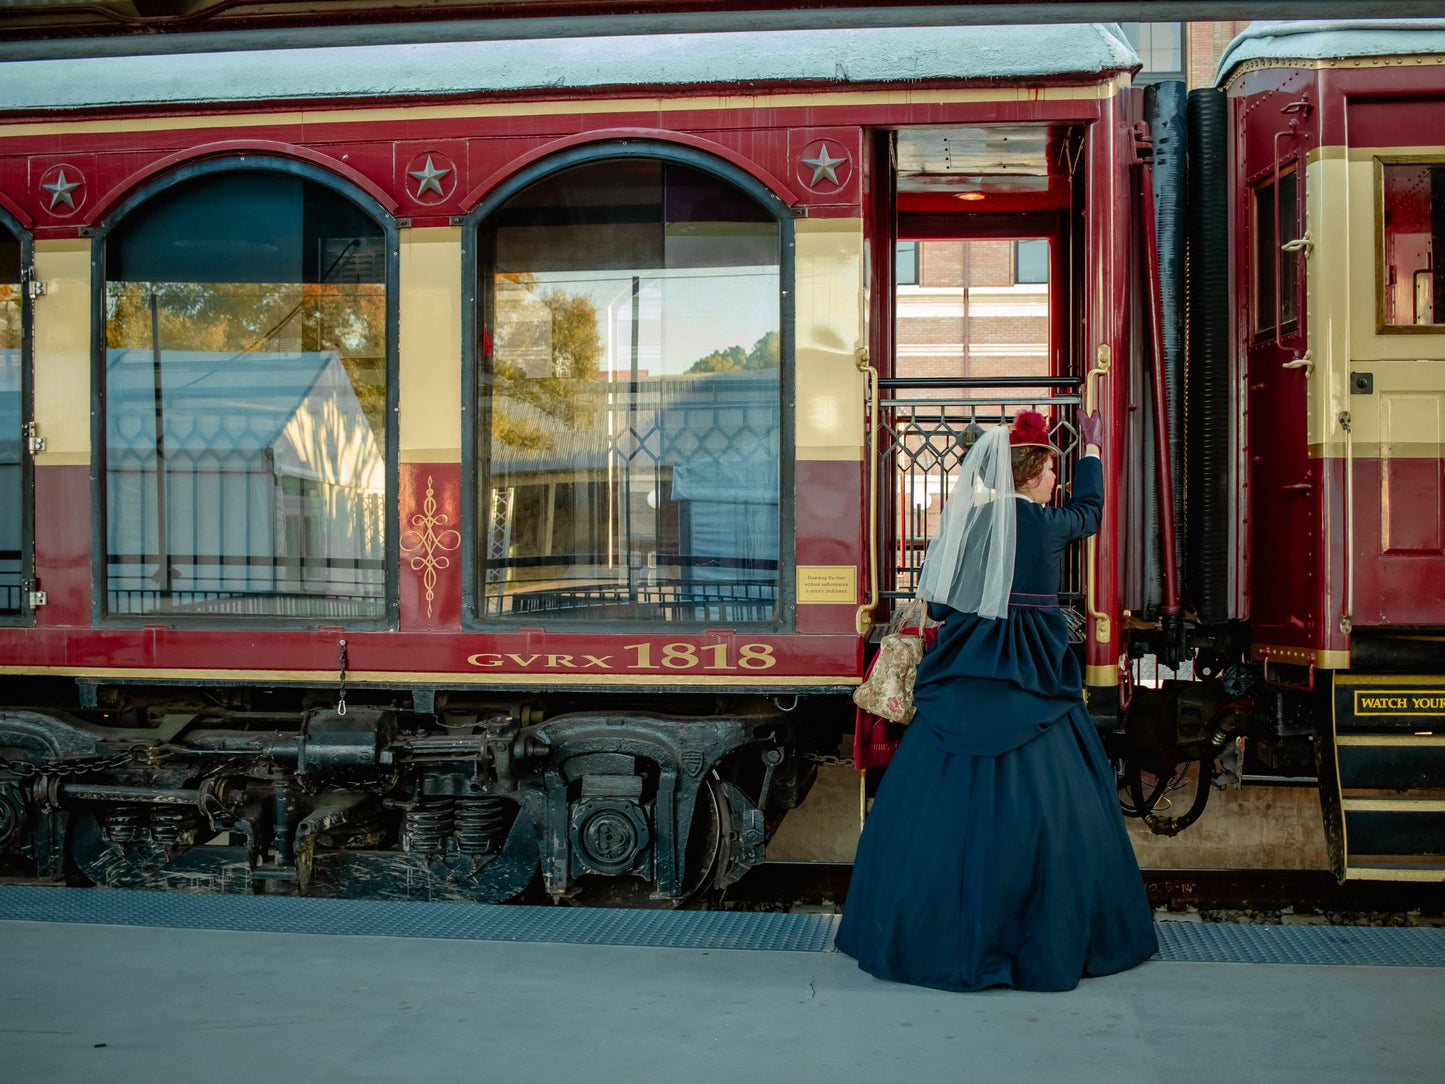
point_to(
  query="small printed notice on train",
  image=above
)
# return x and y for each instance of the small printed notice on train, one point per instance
(1399, 702)
(828, 583)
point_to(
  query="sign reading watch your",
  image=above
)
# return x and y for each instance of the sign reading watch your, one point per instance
(1399, 702)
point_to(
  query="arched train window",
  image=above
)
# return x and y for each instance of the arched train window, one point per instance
(246, 420)
(630, 395)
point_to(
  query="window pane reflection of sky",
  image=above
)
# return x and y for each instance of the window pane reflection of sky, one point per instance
(683, 315)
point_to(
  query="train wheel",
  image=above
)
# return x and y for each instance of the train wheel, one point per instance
(705, 857)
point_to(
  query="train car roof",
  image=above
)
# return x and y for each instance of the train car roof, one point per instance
(1304, 41)
(1052, 53)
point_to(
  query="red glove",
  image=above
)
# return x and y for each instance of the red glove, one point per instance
(1091, 428)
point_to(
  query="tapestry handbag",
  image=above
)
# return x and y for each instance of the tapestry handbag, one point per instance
(887, 689)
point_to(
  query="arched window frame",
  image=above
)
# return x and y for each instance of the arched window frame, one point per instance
(99, 534)
(26, 612)
(476, 297)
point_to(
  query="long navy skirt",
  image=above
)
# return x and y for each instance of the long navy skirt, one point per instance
(1010, 870)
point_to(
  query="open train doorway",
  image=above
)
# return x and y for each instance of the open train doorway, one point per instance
(976, 317)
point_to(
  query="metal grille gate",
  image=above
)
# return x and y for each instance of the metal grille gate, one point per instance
(925, 427)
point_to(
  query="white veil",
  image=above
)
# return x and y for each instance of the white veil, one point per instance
(970, 561)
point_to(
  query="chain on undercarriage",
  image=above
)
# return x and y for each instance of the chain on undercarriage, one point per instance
(24, 769)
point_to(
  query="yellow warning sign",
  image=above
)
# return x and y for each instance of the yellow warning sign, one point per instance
(828, 584)
(1379, 701)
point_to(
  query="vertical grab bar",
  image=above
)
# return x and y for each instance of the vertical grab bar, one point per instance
(1348, 619)
(1295, 111)
(1102, 626)
(862, 620)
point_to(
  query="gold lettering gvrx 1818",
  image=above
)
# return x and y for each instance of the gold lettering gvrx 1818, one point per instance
(655, 658)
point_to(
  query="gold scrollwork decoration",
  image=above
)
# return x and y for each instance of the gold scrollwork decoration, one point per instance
(427, 545)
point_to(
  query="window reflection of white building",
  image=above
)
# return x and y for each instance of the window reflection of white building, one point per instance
(663, 501)
(274, 500)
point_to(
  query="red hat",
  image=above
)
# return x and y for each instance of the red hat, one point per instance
(1030, 430)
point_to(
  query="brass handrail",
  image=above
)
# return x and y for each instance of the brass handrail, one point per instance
(863, 620)
(1102, 624)
(1347, 620)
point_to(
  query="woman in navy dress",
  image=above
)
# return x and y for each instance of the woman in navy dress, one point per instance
(995, 852)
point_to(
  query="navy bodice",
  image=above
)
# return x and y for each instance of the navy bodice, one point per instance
(988, 685)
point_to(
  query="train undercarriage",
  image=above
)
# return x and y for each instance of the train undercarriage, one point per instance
(469, 804)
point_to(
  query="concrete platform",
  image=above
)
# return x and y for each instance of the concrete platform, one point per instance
(116, 1003)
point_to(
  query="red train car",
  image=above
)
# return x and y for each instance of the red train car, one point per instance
(1336, 209)
(439, 468)
(1285, 521)
(476, 477)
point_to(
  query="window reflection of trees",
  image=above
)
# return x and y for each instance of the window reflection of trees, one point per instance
(634, 450)
(262, 405)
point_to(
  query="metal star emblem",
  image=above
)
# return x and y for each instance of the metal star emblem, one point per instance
(825, 166)
(430, 177)
(60, 190)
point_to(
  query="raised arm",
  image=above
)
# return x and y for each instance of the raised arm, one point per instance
(1083, 511)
